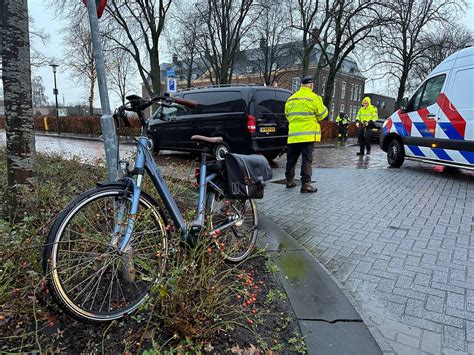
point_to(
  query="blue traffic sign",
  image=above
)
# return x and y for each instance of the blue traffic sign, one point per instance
(170, 72)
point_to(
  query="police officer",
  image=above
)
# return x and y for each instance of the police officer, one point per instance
(342, 122)
(303, 110)
(365, 119)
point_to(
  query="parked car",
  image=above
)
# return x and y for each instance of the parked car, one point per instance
(376, 130)
(437, 124)
(250, 118)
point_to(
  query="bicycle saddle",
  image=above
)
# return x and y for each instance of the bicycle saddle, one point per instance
(212, 140)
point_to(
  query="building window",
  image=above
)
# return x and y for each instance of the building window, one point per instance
(342, 108)
(356, 93)
(359, 93)
(332, 111)
(334, 89)
(354, 113)
(351, 97)
(323, 89)
(249, 69)
(343, 90)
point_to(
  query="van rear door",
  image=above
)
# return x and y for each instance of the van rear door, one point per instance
(271, 120)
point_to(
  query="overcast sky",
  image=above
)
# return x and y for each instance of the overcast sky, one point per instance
(74, 92)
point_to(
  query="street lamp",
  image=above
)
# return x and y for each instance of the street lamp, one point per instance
(55, 93)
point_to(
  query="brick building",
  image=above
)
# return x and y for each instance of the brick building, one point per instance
(348, 90)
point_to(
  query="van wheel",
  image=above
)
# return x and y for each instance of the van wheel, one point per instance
(395, 154)
(220, 150)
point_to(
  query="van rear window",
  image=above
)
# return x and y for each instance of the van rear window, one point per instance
(217, 102)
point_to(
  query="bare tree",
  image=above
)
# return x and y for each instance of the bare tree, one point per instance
(182, 38)
(225, 23)
(305, 16)
(16, 76)
(79, 57)
(136, 27)
(399, 45)
(39, 99)
(38, 59)
(272, 31)
(119, 70)
(439, 45)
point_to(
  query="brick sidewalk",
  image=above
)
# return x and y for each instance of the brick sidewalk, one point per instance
(400, 241)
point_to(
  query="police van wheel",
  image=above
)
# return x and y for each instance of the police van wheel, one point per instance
(395, 154)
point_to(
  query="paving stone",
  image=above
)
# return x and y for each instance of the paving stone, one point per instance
(414, 308)
(434, 303)
(431, 342)
(453, 338)
(413, 342)
(455, 300)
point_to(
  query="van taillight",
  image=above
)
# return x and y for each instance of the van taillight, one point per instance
(251, 124)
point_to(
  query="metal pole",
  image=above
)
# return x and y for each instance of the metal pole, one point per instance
(106, 121)
(57, 110)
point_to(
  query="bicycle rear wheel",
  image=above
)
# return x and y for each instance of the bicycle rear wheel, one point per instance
(236, 242)
(87, 274)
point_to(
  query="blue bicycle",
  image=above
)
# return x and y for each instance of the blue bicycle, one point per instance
(110, 244)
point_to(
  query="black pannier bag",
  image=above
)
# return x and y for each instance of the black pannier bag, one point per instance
(246, 175)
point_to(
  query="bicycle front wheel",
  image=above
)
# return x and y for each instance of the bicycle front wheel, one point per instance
(235, 242)
(87, 274)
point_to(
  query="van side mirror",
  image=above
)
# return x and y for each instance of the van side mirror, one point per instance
(404, 104)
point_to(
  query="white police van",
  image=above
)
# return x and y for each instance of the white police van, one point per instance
(437, 124)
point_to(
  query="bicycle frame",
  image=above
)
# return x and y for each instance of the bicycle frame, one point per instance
(145, 163)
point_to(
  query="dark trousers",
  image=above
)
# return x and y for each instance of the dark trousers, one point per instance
(342, 130)
(363, 135)
(293, 153)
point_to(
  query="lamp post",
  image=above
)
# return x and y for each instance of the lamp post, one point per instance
(55, 93)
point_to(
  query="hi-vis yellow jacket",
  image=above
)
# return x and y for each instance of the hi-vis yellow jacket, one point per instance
(303, 110)
(367, 114)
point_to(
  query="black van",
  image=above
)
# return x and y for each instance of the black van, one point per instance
(251, 119)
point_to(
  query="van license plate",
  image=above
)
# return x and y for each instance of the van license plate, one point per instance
(267, 129)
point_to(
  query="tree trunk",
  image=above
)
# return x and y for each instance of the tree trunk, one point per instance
(401, 89)
(155, 72)
(329, 87)
(91, 97)
(19, 124)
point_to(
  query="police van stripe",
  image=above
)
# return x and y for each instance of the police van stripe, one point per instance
(416, 151)
(441, 154)
(469, 156)
(458, 123)
(450, 131)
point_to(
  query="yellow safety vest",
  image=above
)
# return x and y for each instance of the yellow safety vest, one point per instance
(343, 120)
(367, 114)
(303, 110)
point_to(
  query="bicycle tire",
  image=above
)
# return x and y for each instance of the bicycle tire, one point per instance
(123, 267)
(237, 242)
